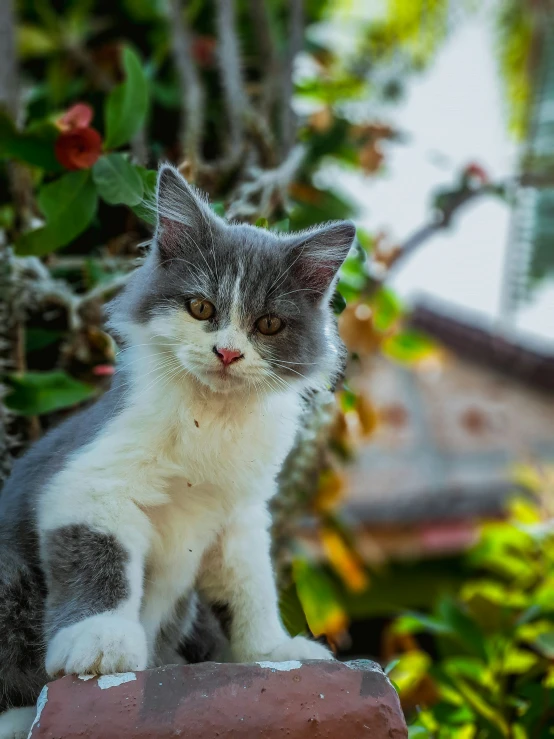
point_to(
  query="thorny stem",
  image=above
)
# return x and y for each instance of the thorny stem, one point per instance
(259, 194)
(9, 85)
(192, 92)
(295, 35)
(268, 57)
(236, 100)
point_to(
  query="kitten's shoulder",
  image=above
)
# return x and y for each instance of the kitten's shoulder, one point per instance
(48, 455)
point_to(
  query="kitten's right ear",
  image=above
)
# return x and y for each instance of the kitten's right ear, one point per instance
(182, 213)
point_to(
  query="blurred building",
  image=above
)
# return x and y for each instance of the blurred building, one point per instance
(449, 436)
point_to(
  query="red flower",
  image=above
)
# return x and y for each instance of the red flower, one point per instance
(476, 170)
(78, 148)
(78, 116)
(103, 370)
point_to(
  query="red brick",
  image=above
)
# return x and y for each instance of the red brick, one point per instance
(269, 700)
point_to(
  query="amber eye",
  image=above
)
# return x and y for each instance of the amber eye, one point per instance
(201, 309)
(269, 325)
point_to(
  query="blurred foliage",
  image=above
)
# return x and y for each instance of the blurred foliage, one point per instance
(490, 673)
(515, 39)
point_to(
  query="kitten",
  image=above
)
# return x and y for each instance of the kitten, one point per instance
(120, 527)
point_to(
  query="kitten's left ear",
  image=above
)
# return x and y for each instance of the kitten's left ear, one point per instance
(318, 255)
(181, 213)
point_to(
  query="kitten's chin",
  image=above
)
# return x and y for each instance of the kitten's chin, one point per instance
(222, 382)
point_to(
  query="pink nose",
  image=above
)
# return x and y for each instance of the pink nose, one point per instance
(227, 356)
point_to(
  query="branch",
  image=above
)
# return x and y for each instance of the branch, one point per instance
(240, 112)
(236, 100)
(266, 49)
(442, 220)
(192, 92)
(40, 288)
(264, 189)
(81, 56)
(139, 148)
(296, 36)
(9, 77)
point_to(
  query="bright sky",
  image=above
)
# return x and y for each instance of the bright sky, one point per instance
(456, 110)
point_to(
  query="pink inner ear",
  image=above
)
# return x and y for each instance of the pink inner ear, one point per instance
(319, 275)
(171, 236)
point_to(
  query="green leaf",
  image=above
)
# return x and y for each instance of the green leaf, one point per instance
(35, 393)
(480, 706)
(146, 209)
(544, 643)
(281, 226)
(35, 146)
(387, 309)
(418, 732)
(34, 41)
(470, 668)
(127, 105)
(463, 627)
(218, 208)
(353, 273)
(410, 669)
(414, 623)
(407, 347)
(319, 598)
(519, 661)
(117, 180)
(262, 223)
(39, 338)
(69, 204)
(291, 612)
(494, 592)
(338, 303)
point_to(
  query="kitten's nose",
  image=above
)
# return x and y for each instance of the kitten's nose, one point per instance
(228, 356)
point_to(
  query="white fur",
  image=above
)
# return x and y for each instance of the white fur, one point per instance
(16, 723)
(181, 476)
(102, 644)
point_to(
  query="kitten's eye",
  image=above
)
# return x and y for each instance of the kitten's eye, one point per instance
(201, 309)
(269, 325)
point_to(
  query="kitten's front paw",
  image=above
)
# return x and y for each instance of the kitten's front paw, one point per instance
(299, 648)
(99, 645)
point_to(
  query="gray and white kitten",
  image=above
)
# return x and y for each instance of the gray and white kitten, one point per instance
(120, 527)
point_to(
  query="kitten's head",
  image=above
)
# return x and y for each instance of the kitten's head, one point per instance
(237, 307)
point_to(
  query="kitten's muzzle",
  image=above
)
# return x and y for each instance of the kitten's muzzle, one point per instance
(227, 356)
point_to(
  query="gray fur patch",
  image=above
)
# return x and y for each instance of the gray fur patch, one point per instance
(22, 593)
(191, 634)
(85, 575)
(205, 641)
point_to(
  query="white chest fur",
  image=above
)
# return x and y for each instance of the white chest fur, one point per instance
(167, 473)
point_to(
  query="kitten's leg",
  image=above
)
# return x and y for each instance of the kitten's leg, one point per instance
(189, 635)
(203, 640)
(95, 581)
(16, 723)
(238, 574)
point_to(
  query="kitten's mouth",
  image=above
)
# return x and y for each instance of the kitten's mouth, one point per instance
(224, 377)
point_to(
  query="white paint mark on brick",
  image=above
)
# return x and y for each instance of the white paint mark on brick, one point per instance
(41, 702)
(111, 681)
(86, 677)
(292, 664)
